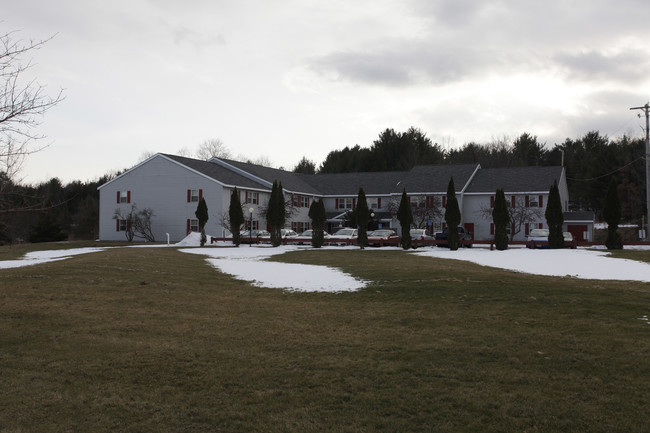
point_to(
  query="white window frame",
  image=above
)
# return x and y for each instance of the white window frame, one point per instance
(124, 196)
(194, 195)
(123, 225)
(252, 197)
(194, 225)
(346, 203)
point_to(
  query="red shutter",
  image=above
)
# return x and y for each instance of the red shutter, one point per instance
(200, 194)
(379, 203)
(118, 197)
(527, 226)
(188, 226)
(512, 201)
(444, 201)
(189, 196)
(491, 228)
(336, 205)
(527, 203)
(541, 202)
(354, 203)
(492, 202)
(541, 226)
(128, 196)
(117, 228)
(239, 195)
(512, 228)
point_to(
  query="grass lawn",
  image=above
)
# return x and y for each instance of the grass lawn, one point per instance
(155, 340)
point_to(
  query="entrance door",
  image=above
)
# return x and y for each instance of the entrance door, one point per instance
(577, 231)
(469, 227)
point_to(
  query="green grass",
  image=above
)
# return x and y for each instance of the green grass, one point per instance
(152, 339)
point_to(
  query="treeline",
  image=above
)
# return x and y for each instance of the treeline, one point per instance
(591, 161)
(49, 211)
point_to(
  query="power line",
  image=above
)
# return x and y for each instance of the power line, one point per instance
(607, 174)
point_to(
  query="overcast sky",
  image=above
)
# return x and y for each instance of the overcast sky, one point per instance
(292, 78)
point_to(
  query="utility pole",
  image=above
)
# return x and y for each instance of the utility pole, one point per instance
(646, 110)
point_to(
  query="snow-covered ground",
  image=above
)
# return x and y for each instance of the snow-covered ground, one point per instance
(578, 263)
(248, 264)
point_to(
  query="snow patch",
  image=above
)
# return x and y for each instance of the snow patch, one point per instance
(580, 263)
(247, 264)
(38, 257)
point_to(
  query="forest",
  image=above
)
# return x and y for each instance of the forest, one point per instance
(52, 211)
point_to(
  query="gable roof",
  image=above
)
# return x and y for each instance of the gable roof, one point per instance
(216, 172)
(293, 182)
(515, 179)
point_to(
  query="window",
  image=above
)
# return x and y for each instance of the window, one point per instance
(193, 225)
(374, 203)
(124, 197)
(252, 197)
(533, 202)
(194, 195)
(255, 224)
(299, 226)
(299, 200)
(122, 225)
(418, 201)
(345, 203)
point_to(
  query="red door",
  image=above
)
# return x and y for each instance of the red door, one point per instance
(469, 227)
(577, 231)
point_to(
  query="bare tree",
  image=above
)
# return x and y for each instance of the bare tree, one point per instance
(424, 209)
(212, 148)
(138, 223)
(520, 214)
(23, 102)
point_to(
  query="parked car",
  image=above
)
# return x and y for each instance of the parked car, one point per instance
(284, 233)
(420, 235)
(379, 237)
(463, 235)
(305, 237)
(246, 236)
(343, 234)
(538, 238)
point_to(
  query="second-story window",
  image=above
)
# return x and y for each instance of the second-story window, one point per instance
(194, 195)
(252, 197)
(345, 203)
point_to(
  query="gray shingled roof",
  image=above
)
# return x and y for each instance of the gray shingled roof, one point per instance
(217, 172)
(421, 179)
(290, 181)
(435, 178)
(349, 183)
(511, 179)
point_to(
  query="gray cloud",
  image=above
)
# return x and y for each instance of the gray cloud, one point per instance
(594, 65)
(407, 63)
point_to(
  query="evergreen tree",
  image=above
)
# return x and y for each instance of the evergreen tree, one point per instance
(612, 215)
(318, 219)
(236, 216)
(501, 219)
(452, 216)
(276, 213)
(405, 218)
(362, 213)
(554, 218)
(202, 215)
